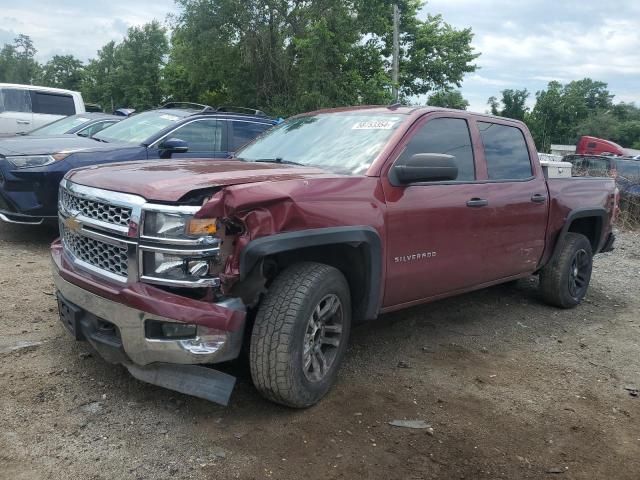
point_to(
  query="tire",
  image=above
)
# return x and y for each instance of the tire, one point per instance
(565, 280)
(285, 327)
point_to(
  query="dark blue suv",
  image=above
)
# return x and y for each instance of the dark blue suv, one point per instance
(31, 167)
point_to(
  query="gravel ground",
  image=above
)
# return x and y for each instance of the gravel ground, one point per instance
(511, 388)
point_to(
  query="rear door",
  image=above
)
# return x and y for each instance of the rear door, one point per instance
(48, 107)
(15, 111)
(518, 201)
(434, 229)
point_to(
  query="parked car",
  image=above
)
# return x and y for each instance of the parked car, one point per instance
(26, 107)
(330, 218)
(31, 168)
(625, 171)
(84, 124)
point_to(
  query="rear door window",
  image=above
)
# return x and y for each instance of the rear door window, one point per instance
(449, 136)
(243, 132)
(202, 135)
(52, 103)
(15, 100)
(505, 151)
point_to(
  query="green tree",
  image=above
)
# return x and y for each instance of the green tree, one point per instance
(100, 82)
(448, 99)
(140, 61)
(129, 73)
(560, 110)
(288, 56)
(512, 105)
(63, 71)
(436, 56)
(17, 61)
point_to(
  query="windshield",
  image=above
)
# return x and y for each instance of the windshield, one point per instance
(345, 142)
(138, 128)
(61, 126)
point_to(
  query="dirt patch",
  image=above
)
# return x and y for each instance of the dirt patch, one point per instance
(509, 388)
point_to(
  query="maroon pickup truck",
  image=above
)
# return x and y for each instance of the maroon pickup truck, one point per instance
(330, 218)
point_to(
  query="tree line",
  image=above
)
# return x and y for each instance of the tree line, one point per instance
(564, 113)
(281, 56)
(288, 56)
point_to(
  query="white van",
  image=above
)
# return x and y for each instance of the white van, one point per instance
(25, 107)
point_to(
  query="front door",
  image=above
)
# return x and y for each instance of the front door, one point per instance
(434, 230)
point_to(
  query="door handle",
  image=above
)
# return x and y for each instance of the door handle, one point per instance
(538, 198)
(477, 202)
(23, 122)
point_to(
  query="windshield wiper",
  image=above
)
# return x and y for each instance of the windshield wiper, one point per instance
(97, 139)
(276, 160)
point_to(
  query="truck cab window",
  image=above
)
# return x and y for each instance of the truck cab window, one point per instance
(15, 100)
(505, 151)
(52, 103)
(445, 135)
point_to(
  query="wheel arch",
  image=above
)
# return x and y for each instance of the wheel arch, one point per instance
(356, 251)
(589, 222)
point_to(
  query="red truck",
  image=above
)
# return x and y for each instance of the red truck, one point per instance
(330, 218)
(598, 146)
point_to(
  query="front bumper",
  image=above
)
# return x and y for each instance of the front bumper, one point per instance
(112, 319)
(30, 195)
(117, 331)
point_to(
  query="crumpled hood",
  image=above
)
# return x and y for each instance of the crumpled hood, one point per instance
(26, 145)
(170, 180)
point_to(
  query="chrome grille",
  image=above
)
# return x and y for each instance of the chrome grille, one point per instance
(95, 210)
(111, 258)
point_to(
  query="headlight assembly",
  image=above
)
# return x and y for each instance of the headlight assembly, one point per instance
(178, 225)
(26, 161)
(180, 268)
(178, 249)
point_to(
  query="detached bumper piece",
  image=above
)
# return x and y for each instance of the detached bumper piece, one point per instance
(201, 382)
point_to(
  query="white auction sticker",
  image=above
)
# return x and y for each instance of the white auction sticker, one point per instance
(374, 125)
(172, 118)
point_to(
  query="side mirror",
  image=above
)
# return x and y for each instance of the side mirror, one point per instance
(174, 145)
(426, 167)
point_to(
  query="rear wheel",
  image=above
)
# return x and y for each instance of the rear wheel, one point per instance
(300, 334)
(565, 280)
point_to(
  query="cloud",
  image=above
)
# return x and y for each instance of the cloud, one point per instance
(77, 27)
(528, 44)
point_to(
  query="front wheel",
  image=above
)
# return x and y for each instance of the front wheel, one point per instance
(300, 334)
(565, 280)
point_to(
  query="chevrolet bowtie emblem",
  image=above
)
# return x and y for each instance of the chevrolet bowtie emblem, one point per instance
(72, 223)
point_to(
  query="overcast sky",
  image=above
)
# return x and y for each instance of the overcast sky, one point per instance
(523, 44)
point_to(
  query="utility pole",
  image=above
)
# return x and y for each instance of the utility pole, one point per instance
(396, 51)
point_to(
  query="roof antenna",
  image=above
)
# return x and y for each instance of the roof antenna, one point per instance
(394, 105)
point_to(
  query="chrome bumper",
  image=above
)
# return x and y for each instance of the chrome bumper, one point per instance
(130, 324)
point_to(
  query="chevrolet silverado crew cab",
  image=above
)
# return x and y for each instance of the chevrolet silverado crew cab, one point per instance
(330, 218)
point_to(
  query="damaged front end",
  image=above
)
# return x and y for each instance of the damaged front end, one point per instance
(141, 282)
